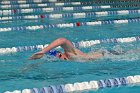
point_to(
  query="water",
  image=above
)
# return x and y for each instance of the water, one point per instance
(17, 72)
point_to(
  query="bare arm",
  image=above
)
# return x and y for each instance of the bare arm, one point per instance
(64, 43)
(94, 55)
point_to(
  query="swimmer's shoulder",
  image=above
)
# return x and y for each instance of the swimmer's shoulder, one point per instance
(78, 52)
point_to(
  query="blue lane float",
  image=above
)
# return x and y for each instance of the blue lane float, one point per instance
(70, 15)
(14, 2)
(44, 5)
(15, 11)
(81, 44)
(35, 5)
(19, 2)
(50, 9)
(38, 7)
(70, 25)
(81, 86)
(115, 2)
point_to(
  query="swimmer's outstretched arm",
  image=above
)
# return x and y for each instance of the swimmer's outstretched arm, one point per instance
(64, 43)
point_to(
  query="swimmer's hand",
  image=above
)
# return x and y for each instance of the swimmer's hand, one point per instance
(37, 55)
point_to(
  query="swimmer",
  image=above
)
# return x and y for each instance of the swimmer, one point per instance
(70, 52)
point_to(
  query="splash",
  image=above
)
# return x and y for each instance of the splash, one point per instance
(123, 54)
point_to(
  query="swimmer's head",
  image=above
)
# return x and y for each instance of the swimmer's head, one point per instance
(57, 54)
(61, 56)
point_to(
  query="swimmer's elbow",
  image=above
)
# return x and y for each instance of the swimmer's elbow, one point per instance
(62, 39)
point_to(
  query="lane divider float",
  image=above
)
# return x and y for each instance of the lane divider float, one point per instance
(81, 86)
(70, 25)
(18, 2)
(70, 15)
(51, 9)
(81, 44)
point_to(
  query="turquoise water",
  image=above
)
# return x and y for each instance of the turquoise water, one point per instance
(17, 72)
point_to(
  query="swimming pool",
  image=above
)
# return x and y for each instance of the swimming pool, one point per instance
(18, 73)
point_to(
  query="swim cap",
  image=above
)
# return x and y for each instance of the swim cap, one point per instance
(52, 52)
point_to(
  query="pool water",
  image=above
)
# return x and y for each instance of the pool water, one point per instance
(17, 72)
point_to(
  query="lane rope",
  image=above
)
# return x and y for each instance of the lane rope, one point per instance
(51, 9)
(81, 44)
(81, 86)
(18, 2)
(15, 11)
(70, 15)
(70, 25)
